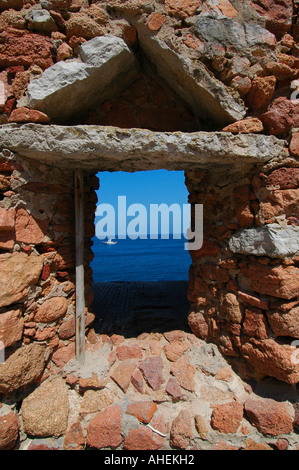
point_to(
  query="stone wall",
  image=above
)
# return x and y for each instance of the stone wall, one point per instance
(244, 280)
(38, 255)
(228, 66)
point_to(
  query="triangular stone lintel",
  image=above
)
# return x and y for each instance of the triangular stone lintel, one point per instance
(108, 66)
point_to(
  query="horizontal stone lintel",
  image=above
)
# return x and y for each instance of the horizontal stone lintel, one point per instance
(114, 149)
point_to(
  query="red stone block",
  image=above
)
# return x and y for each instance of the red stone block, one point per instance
(280, 281)
(199, 325)
(294, 145)
(215, 273)
(173, 389)
(14, 69)
(250, 444)
(29, 229)
(130, 34)
(227, 418)
(137, 381)
(278, 14)
(10, 105)
(9, 167)
(7, 240)
(63, 355)
(143, 411)
(269, 416)
(285, 69)
(152, 370)
(160, 423)
(182, 8)
(176, 349)
(181, 430)
(281, 202)
(4, 183)
(254, 301)
(143, 439)
(155, 21)
(51, 310)
(281, 117)
(174, 335)
(45, 334)
(269, 358)
(284, 324)
(227, 9)
(58, 20)
(74, 438)
(24, 48)
(284, 178)
(117, 339)
(76, 41)
(221, 445)
(246, 126)
(28, 115)
(129, 352)
(281, 444)
(255, 323)
(64, 51)
(241, 84)
(64, 259)
(105, 428)
(261, 93)
(122, 374)
(11, 327)
(7, 219)
(242, 206)
(184, 373)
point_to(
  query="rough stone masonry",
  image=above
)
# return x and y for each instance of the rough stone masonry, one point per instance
(210, 87)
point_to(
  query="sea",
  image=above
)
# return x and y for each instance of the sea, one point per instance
(141, 260)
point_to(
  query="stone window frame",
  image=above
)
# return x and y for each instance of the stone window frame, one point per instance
(98, 148)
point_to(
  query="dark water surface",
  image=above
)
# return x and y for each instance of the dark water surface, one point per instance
(140, 286)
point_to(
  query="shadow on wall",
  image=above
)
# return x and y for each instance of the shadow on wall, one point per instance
(133, 308)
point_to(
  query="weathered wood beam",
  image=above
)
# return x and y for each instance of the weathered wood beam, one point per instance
(80, 297)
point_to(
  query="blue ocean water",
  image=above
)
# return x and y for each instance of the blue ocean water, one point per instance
(141, 260)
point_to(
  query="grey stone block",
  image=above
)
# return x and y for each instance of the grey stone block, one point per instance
(68, 89)
(241, 36)
(270, 240)
(42, 21)
(206, 96)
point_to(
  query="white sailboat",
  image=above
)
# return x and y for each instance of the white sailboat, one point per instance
(110, 242)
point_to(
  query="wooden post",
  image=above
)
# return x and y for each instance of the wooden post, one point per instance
(80, 297)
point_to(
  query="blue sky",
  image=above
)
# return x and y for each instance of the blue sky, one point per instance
(145, 187)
